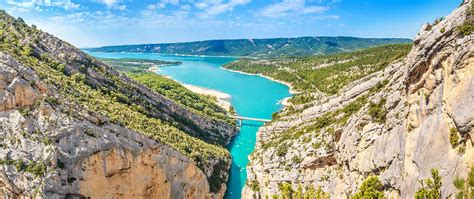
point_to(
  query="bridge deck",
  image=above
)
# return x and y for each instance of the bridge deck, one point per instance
(249, 118)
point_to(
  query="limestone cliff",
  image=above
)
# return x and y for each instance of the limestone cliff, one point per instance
(415, 115)
(71, 126)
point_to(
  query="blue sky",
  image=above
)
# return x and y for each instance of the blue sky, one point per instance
(88, 23)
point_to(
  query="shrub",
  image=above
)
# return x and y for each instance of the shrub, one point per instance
(282, 149)
(428, 27)
(430, 188)
(24, 112)
(286, 190)
(296, 159)
(453, 137)
(377, 111)
(254, 186)
(465, 29)
(36, 168)
(370, 188)
(465, 187)
(78, 77)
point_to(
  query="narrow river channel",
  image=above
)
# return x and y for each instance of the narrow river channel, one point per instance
(252, 96)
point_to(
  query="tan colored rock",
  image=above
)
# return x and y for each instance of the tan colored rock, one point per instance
(428, 94)
(7, 101)
(121, 174)
(24, 94)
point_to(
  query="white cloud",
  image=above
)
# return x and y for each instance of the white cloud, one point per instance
(201, 5)
(216, 7)
(121, 7)
(36, 4)
(109, 3)
(113, 4)
(287, 7)
(173, 2)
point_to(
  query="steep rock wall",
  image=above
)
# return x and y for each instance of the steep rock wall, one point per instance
(423, 98)
(45, 152)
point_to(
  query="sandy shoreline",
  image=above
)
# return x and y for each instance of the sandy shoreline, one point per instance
(223, 99)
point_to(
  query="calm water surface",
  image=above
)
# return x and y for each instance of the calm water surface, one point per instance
(252, 96)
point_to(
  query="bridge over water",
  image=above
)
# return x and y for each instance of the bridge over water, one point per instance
(240, 119)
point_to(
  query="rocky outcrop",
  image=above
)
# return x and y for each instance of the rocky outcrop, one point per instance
(57, 142)
(82, 158)
(401, 131)
(214, 131)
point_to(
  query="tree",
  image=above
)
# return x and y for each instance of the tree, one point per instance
(286, 190)
(465, 187)
(430, 188)
(371, 188)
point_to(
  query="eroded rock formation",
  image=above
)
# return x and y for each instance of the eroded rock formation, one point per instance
(424, 99)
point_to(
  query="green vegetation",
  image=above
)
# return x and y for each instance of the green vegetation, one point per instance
(137, 70)
(134, 65)
(453, 137)
(254, 185)
(282, 149)
(377, 111)
(338, 117)
(430, 188)
(201, 104)
(36, 168)
(465, 187)
(277, 47)
(327, 73)
(287, 192)
(371, 188)
(78, 97)
(468, 26)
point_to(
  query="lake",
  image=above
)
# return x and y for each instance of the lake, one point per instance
(252, 96)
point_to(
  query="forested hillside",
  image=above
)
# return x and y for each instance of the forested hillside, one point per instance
(388, 122)
(327, 74)
(277, 47)
(141, 70)
(64, 111)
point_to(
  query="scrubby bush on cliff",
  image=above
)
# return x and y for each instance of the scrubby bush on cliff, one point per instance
(453, 137)
(430, 187)
(377, 111)
(465, 187)
(468, 26)
(371, 188)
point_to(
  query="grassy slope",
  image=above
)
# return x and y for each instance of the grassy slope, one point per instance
(77, 98)
(327, 73)
(204, 105)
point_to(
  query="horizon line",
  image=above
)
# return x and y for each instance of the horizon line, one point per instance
(205, 40)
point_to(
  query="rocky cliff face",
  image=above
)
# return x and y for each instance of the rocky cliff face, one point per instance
(398, 124)
(71, 126)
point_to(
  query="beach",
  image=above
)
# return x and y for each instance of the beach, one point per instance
(223, 99)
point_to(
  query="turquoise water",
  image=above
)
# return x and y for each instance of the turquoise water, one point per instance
(252, 96)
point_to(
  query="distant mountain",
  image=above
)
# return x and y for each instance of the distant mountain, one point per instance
(258, 47)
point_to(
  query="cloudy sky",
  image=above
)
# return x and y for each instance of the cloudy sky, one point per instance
(89, 23)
